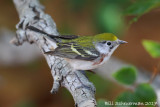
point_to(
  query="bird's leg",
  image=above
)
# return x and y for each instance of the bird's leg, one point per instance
(48, 52)
(91, 71)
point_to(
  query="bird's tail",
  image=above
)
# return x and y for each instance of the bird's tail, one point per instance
(49, 36)
(56, 38)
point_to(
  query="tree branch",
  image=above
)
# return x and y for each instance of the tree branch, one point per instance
(31, 13)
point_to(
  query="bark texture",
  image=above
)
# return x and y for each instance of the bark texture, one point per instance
(31, 14)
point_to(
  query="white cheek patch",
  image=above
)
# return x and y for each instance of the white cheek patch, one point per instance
(115, 47)
(103, 49)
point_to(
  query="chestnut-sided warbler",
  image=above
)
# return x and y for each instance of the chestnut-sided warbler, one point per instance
(83, 52)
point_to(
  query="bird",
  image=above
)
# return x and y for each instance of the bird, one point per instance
(83, 52)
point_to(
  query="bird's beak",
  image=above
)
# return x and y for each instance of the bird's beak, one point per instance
(121, 42)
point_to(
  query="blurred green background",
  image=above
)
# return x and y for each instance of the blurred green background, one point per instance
(28, 84)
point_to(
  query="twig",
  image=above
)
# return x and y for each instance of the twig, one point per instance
(31, 13)
(154, 73)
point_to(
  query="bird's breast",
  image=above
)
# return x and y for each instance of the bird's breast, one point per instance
(100, 59)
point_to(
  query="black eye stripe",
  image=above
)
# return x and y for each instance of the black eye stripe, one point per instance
(108, 43)
(111, 47)
(104, 42)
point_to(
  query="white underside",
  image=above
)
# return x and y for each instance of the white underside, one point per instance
(85, 65)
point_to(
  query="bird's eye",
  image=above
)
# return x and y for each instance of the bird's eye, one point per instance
(103, 42)
(108, 43)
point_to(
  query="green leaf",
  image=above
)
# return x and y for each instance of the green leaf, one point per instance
(152, 47)
(141, 7)
(102, 103)
(143, 93)
(126, 97)
(146, 93)
(126, 75)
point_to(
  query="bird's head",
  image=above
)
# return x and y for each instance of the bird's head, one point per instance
(106, 43)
